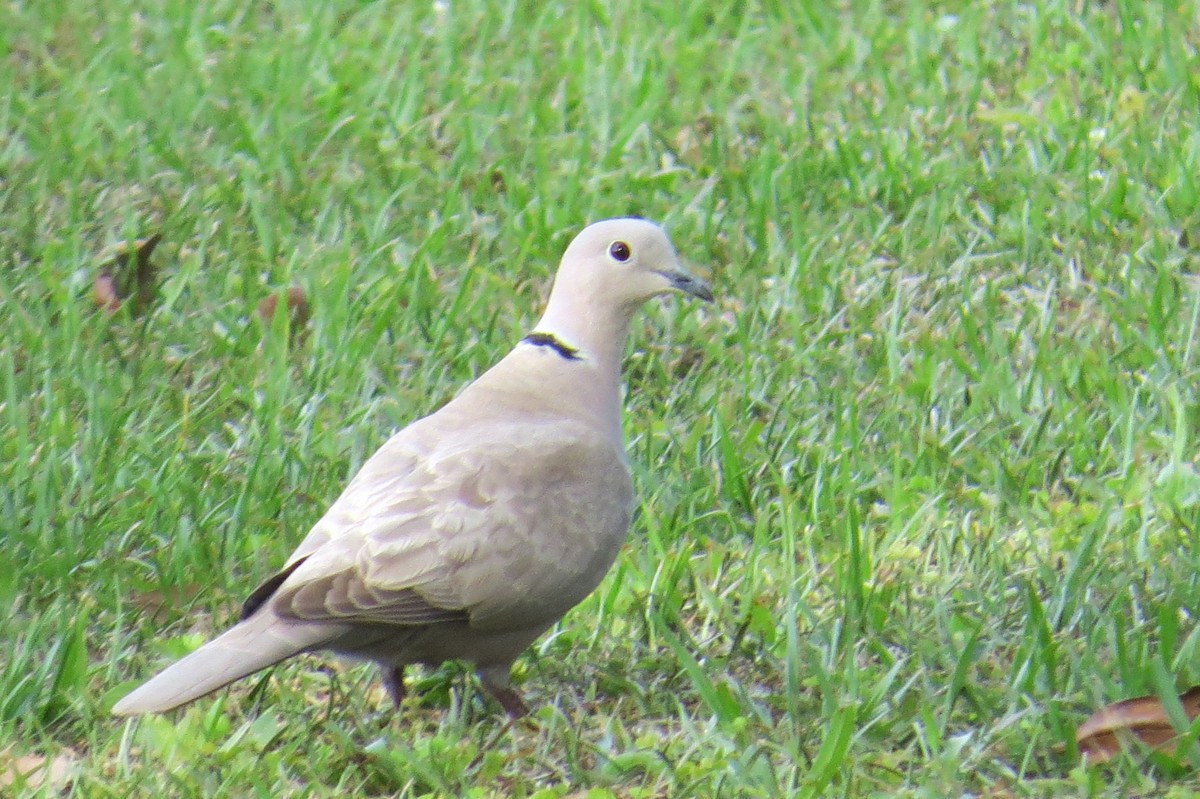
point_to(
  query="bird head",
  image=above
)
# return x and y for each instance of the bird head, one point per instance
(626, 262)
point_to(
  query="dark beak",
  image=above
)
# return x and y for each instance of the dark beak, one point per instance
(690, 284)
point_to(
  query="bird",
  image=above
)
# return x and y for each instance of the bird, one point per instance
(473, 530)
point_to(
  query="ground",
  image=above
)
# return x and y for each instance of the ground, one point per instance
(916, 495)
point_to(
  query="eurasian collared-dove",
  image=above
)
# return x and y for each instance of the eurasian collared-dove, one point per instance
(473, 530)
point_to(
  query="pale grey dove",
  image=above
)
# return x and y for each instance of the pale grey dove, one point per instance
(473, 530)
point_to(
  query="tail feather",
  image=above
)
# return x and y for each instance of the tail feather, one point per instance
(260, 641)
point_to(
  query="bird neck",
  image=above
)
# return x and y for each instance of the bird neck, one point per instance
(590, 343)
(585, 334)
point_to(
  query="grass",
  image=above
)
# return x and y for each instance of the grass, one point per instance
(916, 496)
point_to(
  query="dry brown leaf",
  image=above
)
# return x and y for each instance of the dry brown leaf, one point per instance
(1142, 718)
(104, 292)
(129, 274)
(297, 308)
(33, 771)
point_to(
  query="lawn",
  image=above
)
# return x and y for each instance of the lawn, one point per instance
(917, 495)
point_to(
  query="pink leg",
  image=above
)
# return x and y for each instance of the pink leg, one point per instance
(497, 682)
(511, 701)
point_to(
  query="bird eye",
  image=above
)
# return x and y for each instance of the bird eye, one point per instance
(619, 250)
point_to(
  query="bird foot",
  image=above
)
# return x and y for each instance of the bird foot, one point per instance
(393, 682)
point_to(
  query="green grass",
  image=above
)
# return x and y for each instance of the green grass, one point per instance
(916, 496)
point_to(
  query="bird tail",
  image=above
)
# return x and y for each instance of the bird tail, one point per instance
(260, 641)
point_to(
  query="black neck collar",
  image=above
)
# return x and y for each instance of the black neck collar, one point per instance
(553, 342)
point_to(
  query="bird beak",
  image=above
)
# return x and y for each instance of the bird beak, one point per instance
(689, 284)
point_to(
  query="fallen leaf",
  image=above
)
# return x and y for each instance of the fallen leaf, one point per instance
(34, 771)
(104, 292)
(129, 274)
(297, 308)
(1142, 718)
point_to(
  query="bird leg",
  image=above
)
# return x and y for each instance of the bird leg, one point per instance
(496, 681)
(393, 681)
(511, 701)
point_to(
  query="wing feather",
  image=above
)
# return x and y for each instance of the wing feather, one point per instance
(509, 526)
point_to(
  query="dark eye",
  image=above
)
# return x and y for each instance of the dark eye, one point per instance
(619, 250)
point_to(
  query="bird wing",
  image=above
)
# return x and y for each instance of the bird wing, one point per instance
(505, 524)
